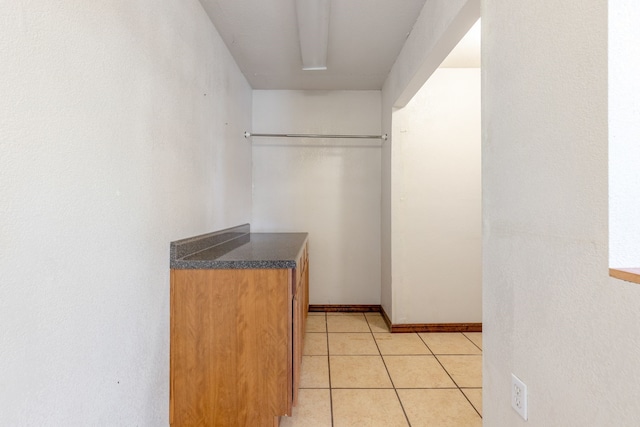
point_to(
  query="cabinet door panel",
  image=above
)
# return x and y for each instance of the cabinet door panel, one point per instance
(231, 347)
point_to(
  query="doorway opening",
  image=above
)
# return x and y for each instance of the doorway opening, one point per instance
(436, 195)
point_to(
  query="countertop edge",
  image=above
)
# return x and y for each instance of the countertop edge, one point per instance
(231, 265)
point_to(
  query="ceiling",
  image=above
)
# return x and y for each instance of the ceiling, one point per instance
(365, 38)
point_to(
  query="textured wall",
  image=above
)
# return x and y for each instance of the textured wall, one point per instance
(552, 316)
(437, 215)
(329, 188)
(120, 130)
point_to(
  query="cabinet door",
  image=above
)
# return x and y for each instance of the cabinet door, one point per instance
(223, 370)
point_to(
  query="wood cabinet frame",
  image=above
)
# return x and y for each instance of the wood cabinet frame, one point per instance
(236, 344)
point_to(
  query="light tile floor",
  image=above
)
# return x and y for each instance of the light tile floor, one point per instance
(355, 373)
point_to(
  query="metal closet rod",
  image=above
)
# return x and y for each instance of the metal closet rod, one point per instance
(312, 135)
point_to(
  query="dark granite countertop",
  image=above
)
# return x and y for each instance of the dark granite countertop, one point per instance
(237, 248)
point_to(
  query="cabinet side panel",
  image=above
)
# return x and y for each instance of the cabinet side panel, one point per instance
(300, 310)
(305, 285)
(298, 339)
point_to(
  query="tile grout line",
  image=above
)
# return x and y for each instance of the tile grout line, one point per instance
(472, 405)
(465, 335)
(445, 369)
(456, 386)
(387, 388)
(326, 332)
(395, 390)
(465, 395)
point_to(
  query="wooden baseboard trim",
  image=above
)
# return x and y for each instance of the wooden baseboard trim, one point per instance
(399, 328)
(436, 327)
(430, 327)
(347, 308)
(386, 318)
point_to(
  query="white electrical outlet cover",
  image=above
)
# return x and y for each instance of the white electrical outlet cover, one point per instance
(519, 396)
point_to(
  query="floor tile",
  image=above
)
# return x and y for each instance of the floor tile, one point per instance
(358, 372)
(466, 371)
(417, 372)
(438, 407)
(315, 344)
(389, 343)
(376, 322)
(449, 343)
(476, 337)
(316, 324)
(313, 410)
(343, 351)
(347, 323)
(475, 396)
(314, 372)
(370, 408)
(352, 343)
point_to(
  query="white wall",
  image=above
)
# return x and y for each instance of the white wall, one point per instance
(328, 188)
(437, 210)
(120, 130)
(440, 26)
(624, 133)
(552, 316)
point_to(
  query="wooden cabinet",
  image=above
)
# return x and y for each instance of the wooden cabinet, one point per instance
(236, 344)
